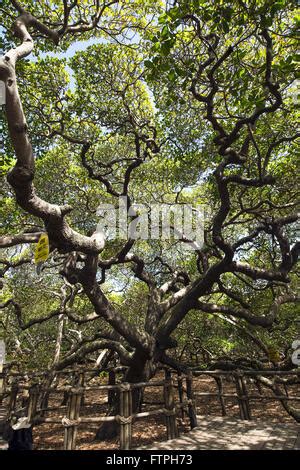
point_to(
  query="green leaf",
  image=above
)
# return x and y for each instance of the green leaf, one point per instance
(225, 26)
(148, 64)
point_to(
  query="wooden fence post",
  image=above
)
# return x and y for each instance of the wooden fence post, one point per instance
(33, 402)
(180, 393)
(219, 382)
(49, 380)
(170, 410)
(125, 417)
(13, 397)
(71, 420)
(246, 399)
(111, 394)
(191, 401)
(81, 380)
(239, 393)
(242, 399)
(258, 386)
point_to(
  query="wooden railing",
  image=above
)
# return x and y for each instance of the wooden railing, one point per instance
(125, 418)
(178, 391)
(242, 395)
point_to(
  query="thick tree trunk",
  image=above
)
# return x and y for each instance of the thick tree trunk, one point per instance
(140, 370)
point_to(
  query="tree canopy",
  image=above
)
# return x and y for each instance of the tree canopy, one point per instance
(176, 103)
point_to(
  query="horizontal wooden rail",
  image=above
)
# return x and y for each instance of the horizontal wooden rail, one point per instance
(81, 420)
(197, 373)
(250, 397)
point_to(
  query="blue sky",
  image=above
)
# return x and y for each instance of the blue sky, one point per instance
(71, 51)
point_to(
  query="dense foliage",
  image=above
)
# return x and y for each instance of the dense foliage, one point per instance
(189, 102)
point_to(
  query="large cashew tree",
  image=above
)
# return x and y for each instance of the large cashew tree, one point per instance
(185, 102)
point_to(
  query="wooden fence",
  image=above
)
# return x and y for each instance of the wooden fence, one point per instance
(242, 395)
(178, 391)
(125, 418)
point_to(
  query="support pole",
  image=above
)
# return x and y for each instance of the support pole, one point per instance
(219, 382)
(240, 396)
(13, 397)
(125, 417)
(111, 394)
(180, 393)
(172, 431)
(246, 398)
(72, 418)
(33, 402)
(191, 402)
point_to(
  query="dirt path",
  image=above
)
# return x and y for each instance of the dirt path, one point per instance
(214, 433)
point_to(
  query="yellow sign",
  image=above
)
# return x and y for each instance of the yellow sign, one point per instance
(274, 355)
(41, 253)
